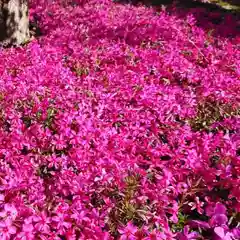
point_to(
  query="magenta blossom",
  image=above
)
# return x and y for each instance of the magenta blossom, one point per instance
(186, 235)
(116, 112)
(42, 222)
(222, 234)
(128, 232)
(7, 229)
(9, 211)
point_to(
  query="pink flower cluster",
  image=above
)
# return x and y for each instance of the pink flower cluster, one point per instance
(102, 131)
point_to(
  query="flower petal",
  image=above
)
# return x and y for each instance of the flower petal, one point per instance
(219, 231)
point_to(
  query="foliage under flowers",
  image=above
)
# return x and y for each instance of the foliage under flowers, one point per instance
(121, 122)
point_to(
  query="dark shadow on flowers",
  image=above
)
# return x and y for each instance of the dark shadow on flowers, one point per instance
(209, 16)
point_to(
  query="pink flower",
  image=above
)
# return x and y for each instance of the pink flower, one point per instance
(7, 229)
(62, 222)
(155, 235)
(186, 235)
(9, 211)
(197, 205)
(54, 161)
(119, 101)
(218, 220)
(127, 232)
(59, 142)
(221, 234)
(42, 222)
(219, 215)
(80, 217)
(1, 197)
(27, 232)
(182, 187)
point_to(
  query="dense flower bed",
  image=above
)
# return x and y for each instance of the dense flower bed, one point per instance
(121, 122)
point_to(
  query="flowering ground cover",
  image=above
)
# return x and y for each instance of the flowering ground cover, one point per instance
(121, 122)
